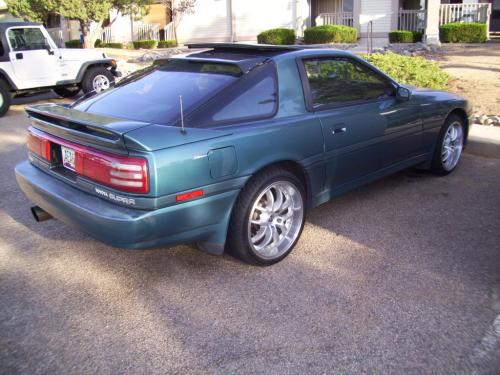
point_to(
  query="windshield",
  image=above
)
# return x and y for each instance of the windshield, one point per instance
(153, 95)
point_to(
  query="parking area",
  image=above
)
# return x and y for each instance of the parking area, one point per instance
(401, 276)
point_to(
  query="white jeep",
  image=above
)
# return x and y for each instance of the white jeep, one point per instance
(31, 62)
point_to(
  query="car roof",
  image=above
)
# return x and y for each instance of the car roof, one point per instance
(5, 25)
(247, 56)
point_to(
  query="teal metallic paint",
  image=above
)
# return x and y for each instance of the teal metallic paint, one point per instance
(380, 137)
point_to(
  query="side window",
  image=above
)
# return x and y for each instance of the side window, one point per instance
(255, 96)
(342, 80)
(26, 39)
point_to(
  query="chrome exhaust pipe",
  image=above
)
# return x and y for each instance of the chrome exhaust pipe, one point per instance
(40, 214)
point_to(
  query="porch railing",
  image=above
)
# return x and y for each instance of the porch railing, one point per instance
(413, 20)
(107, 35)
(147, 31)
(481, 12)
(339, 18)
(168, 31)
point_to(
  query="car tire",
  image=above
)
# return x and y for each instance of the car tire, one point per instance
(97, 79)
(449, 146)
(67, 92)
(5, 98)
(263, 233)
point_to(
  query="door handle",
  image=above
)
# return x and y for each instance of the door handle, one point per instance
(19, 56)
(338, 130)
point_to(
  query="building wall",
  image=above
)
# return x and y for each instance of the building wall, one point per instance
(380, 12)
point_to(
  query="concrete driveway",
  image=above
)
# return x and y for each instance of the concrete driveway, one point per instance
(401, 276)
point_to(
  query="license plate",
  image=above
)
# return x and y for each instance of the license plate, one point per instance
(68, 155)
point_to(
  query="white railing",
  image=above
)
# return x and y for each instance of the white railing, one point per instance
(413, 20)
(339, 18)
(147, 31)
(107, 35)
(168, 31)
(465, 13)
(57, 36)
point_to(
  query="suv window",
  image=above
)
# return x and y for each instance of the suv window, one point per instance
(254, 97)
(153, 94)
(334, 81)
(27, 39)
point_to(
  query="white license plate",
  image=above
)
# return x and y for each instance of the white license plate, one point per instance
(68, 155)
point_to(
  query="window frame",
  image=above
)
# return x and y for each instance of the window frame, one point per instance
(225, 96)
(306, 88)
(48, 40)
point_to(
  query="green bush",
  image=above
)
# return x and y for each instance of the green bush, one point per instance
(167, 43)
(74, 43)
(330, 34)
(97, 43)
(470, 32)
(112, 45)
(405, 36)
(146, 44)
(410, 70)
(278, 36)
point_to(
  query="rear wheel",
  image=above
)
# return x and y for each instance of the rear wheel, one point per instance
(268, 218)
(449, 146)
(5, 98)
(67, 92)
(97, 79)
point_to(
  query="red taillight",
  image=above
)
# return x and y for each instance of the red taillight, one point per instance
(39, 145)
(120, 172)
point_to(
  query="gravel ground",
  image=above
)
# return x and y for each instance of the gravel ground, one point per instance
(401, 276)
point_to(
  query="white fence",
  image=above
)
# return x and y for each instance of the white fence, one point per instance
(413, 20)
(338, 18)
(481, 12)
(168, 31)
(146, 31)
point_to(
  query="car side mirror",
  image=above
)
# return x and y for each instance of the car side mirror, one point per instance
(403, 94)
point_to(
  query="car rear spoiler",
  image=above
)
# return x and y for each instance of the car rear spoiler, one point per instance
(101, 132)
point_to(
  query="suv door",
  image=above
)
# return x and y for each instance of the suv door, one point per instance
(365, 127)
(32, 57)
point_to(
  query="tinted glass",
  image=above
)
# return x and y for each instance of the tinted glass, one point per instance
(26, 39)
(254, 97)
(153, 95)
(337, 81)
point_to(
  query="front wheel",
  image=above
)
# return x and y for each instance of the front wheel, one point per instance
(97, 79)
(268, 218)
(449, 146)
(5, 98)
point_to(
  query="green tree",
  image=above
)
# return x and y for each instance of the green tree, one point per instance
(85, 12)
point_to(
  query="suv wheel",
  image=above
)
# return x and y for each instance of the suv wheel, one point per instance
(267, 218)
(5, 98)
(67, 92)
(97, 79)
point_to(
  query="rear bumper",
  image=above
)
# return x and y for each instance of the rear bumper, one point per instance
(203, 220)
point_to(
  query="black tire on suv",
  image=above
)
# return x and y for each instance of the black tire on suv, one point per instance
(97, 74)
(5, 97)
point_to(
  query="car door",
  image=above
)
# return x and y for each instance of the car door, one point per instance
(33, 60)
(365, 127)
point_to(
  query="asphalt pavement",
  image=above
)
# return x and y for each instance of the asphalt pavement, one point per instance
(399, 277)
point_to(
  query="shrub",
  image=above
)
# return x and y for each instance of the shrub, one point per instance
(112, 45)
(278, 36)
(146, 44)
(405, 36)
(97, 43)
(470, 32)
(415, 71)
(167, 43)
(330, 34)
(74, 43)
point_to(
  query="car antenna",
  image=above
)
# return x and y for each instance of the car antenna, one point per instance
(183, 130)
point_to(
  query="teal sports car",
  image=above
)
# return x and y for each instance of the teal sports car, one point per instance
(230, 146)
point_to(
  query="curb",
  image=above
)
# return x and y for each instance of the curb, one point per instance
(484, 141)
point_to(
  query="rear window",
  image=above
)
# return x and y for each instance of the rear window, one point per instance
(153, 94)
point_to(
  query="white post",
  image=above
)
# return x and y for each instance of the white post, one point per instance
(432, 22)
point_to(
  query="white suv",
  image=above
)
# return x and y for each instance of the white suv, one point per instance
(31, 62)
